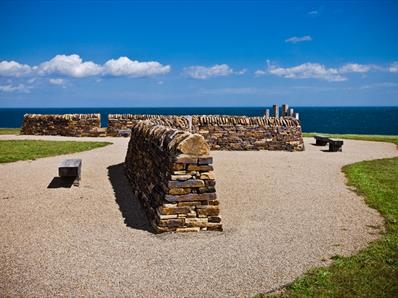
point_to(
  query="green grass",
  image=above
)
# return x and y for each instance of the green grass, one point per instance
(373, 272)
(11, 150)
(375, 138)
(10, 131)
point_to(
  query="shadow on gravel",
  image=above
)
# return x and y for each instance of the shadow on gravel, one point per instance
(58, 182)
(131, 209)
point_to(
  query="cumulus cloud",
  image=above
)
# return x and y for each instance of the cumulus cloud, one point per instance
(14, 69)
(218, 70)
(305, 71)
(15, 88)
(297, 39)
(72, 66)
(393, 67)
(355, 67)
(59, 82)
(318, 71)
(132, 68)
(313, 12)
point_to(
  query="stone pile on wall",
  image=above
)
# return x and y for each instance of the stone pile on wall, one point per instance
(77, 125)
(171, 173)
(118, 123)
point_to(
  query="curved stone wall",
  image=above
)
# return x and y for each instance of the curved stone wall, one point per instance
(170, 172)
(226, 132)
(220, 132)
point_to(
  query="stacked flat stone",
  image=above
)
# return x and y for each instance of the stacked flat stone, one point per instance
(220, 132)
(171, 173)
(123, 122)
(250, 133)
(77, 125)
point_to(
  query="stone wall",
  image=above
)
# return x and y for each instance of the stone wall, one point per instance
(227, 132)
(118, 123)
(220, 132)
(78, 125)
(171, 173)
(249, 133)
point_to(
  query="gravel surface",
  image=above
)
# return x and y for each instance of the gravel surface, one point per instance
(283, 213)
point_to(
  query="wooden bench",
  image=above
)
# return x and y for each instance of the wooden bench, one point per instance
(70, 168)
(334, 145)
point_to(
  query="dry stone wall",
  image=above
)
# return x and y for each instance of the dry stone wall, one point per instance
(119, 123)
(171, 173)
(77, 125)
(220, 132)
(226, 132)
(250, 133)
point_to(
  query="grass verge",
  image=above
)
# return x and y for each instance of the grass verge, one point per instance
(10, 131)
(374, 138)
(373, 272)
(14, 150)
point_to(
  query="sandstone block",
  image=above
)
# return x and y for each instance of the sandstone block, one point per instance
(208, 210)
(191, 197)
(195, 144)
(179, 191)
(188, 183)
(207, 176)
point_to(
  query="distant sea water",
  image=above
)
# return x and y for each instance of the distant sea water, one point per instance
(354, 120)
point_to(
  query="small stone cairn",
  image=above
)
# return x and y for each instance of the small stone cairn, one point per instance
(171, 173)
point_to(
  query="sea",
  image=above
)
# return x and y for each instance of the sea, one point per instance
(344, 120)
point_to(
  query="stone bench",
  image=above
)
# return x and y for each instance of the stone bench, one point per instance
(70, 168)
(334, 145)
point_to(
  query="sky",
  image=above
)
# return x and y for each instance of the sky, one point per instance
(196, 53)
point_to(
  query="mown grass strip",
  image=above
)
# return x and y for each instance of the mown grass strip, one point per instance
(10, 131)
(14, 150)
(373, 272)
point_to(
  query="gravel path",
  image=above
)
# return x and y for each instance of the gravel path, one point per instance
(283, 213)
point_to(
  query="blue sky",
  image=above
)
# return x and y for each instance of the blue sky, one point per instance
(198, 53)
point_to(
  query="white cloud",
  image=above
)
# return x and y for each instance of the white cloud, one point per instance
(297, 39)
(14, 69)
(15, 88)
(131, 68)
(72, 66)
(355, 67)
(218, 70)
(393, 67)
(305, 71)
(313, 12)
(59, 82)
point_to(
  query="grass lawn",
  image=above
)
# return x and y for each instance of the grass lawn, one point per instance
(373, 272)
(375, 138)
(11, 150)
(9, 131)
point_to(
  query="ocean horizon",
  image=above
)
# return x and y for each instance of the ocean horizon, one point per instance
(346, 120)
